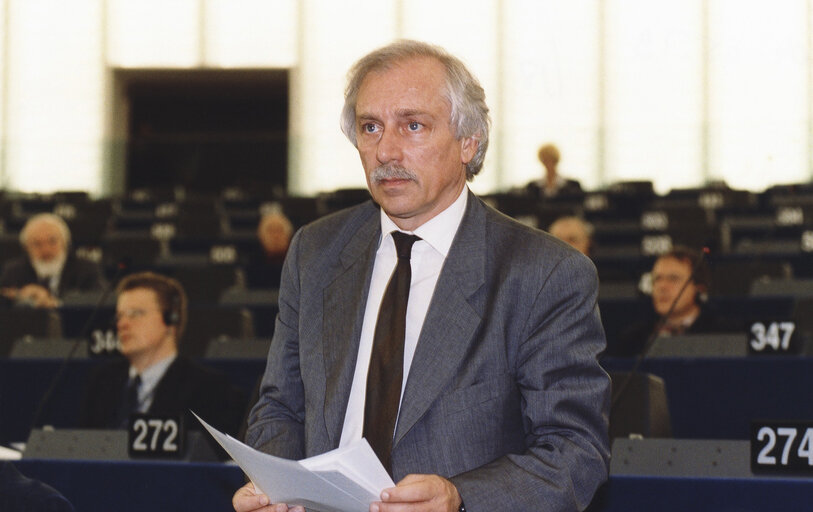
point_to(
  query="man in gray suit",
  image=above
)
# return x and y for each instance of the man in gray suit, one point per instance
(503, 405)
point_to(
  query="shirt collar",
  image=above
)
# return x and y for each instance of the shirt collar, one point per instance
(154, 373)
(440, 230)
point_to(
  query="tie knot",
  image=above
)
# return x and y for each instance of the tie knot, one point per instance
(403, 243)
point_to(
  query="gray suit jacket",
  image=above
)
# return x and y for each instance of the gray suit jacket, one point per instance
(505, 395)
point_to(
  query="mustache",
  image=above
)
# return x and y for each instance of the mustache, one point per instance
(390, 172)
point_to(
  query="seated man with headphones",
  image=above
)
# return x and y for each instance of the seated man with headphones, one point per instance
(153, 378)
(686, 307)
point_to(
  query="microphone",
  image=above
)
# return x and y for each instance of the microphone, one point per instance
(650, 341)
(121, 267)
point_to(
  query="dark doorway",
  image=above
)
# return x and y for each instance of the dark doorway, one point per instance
(205, 130)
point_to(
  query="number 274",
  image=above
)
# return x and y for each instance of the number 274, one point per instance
(804, 451)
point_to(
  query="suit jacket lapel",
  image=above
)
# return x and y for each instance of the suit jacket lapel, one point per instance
(346, 298)
(166, 396)
(450, 321)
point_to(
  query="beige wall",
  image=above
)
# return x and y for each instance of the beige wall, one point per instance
(676, 92)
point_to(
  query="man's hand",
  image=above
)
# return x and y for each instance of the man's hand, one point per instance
(247, 499)
(429, 493)
(36, 296)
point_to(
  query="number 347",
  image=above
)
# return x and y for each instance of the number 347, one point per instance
(775, 335)
(767, 434)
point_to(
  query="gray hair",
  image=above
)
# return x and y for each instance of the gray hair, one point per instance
(48, 218)
(469, 117)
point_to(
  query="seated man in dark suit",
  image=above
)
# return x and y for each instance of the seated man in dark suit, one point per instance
(674, 310)
(19, 493)
(150, 318)
(49, 268)
(264, 266)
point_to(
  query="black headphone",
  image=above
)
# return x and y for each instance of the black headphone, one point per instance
(172, 316)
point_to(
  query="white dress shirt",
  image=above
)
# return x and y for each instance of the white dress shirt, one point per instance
(150, 378)
(428, 255)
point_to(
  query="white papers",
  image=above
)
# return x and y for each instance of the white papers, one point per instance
(346, 479)
(9, 454)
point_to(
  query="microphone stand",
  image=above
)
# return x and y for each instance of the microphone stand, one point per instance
(46, 397)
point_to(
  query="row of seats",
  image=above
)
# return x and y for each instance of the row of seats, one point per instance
(625, 226)
(249, 315)
(628, 233)
(708, 397)
(628, 214)
(182, 214)
(240, 314)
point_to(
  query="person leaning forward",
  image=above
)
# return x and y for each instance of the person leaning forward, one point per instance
(504, 404)
(49, 269)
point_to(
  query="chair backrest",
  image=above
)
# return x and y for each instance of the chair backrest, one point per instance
(208, 225)
(9, 248)
(237, 296)
(21, 322)
(692, 458)
(228, 348)
(803, 318)
(49, 348)
(88, 229)
(204, 284)
(733, 344)
(84, 444)
(210, 323)
(642, 408)
(733, 277)
(782, 288)
(141, 249)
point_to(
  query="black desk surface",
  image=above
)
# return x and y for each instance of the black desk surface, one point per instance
(709, 398)
(23, 382)
(716, 398)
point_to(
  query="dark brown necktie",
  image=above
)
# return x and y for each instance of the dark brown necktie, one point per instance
(129, 404)
(386, 373)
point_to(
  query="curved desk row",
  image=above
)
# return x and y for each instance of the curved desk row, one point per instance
(709, 398)
(170, 486)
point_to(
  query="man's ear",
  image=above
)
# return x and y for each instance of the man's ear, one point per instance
(172, 330)
(468, 147)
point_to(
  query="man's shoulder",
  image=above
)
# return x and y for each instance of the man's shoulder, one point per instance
(351, 217)
(191, 371)
(333, 230)
(190, 380)
(502, 229)
(523, 247)
(106, 371)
